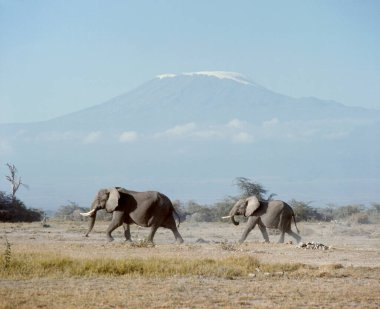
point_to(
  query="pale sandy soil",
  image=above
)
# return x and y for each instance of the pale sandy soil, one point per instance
(357, 246)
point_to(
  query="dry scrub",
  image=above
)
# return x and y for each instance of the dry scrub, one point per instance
(27, 266)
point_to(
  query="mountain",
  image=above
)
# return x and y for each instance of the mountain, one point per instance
(204, 97)
(190, 135)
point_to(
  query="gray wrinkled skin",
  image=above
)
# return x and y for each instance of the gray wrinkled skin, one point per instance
(272, 214)
(147, 209)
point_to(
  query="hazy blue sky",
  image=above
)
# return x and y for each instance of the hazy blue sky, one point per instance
(61, 56)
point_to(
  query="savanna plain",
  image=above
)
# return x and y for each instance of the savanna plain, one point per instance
(54, 266)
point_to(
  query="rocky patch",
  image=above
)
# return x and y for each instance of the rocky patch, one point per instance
(313, 245)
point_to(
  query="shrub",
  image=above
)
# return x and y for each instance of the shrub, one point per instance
(361, 218)
(72, 211)
(222, 208)
(345, 212)
(304, 212)
(204, 213)
(14, 210)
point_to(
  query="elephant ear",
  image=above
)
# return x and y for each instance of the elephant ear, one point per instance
(252, 204)
(113, 200)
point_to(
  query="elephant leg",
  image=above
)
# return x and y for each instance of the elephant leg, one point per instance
(283, 226)
(250, 226)
(263, 230)
(153, 231)
(170, 224)
(127, 232)
(294, 235)
(282, 238)
(177, 235)
(117, 220)
(173, 227)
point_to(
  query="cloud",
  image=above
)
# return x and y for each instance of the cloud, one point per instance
(210, 132)
(236, 123)
(63, 136)
(51, 136)
(243, 137)
(5, 148)
(337, 135)
(271, 123)
(327, 129)
(241, 131)
(181, 129)
(92, 137)
(178, 131)
(128, 136)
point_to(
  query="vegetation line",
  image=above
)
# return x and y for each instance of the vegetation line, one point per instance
(49, 265)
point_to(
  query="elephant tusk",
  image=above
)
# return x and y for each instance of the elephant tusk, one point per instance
(226, 217)
(87, 214)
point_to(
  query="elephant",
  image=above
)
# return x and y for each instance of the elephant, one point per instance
(148, 209)
(272, 214)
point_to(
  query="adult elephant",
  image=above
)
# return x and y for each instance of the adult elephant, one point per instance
(272, 214)
(148, 209)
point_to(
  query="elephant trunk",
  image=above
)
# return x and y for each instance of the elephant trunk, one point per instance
(232, 215)
(92, 215)
(91, 223)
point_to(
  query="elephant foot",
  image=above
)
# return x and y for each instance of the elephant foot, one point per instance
(110, 239)
(179, 241)
(148, 241)
(129, 240)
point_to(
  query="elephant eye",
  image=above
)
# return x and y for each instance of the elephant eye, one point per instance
(101, 200)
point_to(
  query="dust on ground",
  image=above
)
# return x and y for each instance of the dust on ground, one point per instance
(350, 245)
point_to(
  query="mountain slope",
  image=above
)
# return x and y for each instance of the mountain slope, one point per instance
(190, 135)
(204, 98)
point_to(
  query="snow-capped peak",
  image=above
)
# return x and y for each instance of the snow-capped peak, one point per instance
(237, 77)
(166, 76)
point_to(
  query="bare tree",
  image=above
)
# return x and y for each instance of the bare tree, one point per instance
(15, 181)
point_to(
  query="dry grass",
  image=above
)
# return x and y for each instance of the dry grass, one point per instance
(189, 292)
(56, 267)
(27, 266)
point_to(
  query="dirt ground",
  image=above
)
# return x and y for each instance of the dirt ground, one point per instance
(356, 246)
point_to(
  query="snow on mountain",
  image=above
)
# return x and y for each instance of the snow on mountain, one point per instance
(237, 77)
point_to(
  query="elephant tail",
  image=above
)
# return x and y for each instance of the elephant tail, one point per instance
(295, 224)
(178, 216)
(164, 200)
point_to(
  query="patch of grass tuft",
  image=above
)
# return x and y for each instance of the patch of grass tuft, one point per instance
(225, 245)
(284, 267)
(7, 253)
(142, 243)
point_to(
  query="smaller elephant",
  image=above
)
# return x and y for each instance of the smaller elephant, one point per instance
(148, 209)
(272, 214)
